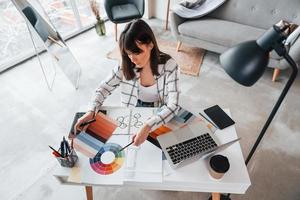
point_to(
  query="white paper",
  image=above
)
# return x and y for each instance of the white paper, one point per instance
(167, 169)
(130, 121)
(144, 164)
(138, 118)
(122, 116)
(90, 176)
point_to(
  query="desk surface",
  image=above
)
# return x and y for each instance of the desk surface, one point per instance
(194, 177)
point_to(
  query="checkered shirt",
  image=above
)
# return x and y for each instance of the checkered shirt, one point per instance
(167, 87)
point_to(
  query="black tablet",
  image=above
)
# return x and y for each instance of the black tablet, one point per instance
(219, 117)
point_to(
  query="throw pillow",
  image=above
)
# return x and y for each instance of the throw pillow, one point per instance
(184, 9)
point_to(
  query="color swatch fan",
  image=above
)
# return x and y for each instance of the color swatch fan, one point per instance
(180, 120)
(108, 160)
(91, 141)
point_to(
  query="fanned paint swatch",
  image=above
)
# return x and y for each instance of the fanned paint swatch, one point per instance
(100, 167)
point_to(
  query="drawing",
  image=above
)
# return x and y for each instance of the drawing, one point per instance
(123, 121)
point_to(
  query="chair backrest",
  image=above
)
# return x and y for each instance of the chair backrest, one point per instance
(108, 4)
(259, 13)
(140, 4)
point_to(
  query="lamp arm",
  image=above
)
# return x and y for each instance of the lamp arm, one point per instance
(276, 106)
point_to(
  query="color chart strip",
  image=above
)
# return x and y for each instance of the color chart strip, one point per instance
(103, 127)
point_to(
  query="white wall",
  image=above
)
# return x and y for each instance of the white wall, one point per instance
(158, 8)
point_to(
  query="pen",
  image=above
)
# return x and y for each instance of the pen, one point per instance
(126, 146)
(208, 120)
(66, 147)
(56, 152)
(84, 124)
(62, 149)
(87, 122)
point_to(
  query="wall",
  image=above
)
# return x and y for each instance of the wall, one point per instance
(157, 8)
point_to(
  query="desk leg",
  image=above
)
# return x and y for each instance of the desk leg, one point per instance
(216, 196)
(167, 17)
(89, 192)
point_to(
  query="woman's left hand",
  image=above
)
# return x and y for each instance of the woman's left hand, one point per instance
(141, 136)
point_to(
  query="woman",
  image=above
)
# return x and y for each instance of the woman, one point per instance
(148, 78)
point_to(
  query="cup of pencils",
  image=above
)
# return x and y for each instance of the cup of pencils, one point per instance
(65, 155)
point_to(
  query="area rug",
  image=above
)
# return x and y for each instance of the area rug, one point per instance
(189, 59)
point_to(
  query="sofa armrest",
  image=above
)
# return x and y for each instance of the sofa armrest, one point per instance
(175, 22)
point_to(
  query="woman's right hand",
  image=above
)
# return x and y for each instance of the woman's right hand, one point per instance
(86, 117)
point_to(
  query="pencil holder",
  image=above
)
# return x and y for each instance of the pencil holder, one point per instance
(68, 161)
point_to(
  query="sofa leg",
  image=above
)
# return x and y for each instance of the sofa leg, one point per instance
(116, 32)
(275, 74)
(178, 45)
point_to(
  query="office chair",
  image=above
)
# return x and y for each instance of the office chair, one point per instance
(121, 11)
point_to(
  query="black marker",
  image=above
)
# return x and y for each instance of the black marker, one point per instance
(84, 124)
(126, 146)
(87, 122)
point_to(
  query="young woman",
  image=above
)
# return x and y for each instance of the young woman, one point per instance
(148, 78)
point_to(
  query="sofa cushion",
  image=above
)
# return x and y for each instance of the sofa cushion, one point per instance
(259, 13)
(218, 31)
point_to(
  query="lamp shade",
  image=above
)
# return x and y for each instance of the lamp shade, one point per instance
(245, 62)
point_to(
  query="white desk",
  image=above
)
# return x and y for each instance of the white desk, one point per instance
(193, 177)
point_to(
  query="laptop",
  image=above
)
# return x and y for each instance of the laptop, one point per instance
(188, 144)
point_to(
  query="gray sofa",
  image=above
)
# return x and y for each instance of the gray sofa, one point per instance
(237, 21)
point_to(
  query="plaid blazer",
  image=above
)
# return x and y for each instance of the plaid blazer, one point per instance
(167, 87)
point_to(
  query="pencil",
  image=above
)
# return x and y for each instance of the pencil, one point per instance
(55, 151)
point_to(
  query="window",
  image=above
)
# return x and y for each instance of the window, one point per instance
(69, 17)
(15, 42)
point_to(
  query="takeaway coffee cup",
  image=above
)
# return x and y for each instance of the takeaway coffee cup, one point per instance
(218, 166)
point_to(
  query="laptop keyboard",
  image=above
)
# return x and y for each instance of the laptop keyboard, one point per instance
(191, 148)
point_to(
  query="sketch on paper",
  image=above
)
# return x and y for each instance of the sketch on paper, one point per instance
(123, 121)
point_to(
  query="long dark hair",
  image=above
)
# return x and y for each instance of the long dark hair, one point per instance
(139, 31)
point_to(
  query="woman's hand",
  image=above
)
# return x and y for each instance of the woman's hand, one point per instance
(86, 117)
(141, 136)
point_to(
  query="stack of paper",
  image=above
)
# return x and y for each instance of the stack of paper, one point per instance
(143, 164)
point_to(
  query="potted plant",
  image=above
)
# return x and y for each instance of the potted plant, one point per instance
(100, 24)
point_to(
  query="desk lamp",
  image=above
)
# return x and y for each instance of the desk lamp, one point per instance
(247, 61)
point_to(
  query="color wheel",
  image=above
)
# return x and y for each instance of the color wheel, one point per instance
(105, 169)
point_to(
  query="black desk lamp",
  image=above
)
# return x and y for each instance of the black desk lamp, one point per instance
(246, 63)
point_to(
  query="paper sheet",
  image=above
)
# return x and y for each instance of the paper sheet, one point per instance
(167, 169)
(88, 175)
(75, 175)
(122, 116)
(138, 117)
(143, 164)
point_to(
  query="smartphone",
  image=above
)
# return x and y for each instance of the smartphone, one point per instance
(219, 117)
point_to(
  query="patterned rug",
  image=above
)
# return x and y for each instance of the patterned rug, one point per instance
(189, 59)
